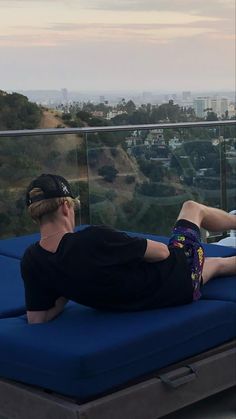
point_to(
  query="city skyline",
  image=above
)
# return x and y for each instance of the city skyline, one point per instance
(130, 45)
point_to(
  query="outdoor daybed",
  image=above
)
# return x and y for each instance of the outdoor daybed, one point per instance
(91, 364)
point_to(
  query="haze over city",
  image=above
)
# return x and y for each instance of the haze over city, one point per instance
(162, 45)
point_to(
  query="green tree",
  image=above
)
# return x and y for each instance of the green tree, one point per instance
(108, 173)
(17, 112)
(211, 116)
(130, 107)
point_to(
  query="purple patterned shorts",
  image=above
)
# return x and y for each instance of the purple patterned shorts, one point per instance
(186, 235)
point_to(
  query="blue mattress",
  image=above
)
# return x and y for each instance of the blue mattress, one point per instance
(85, 352)
(220, 289)
(15, 246)
(12, 300)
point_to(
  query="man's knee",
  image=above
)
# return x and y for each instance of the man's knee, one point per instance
(192, 211)
(191, 206)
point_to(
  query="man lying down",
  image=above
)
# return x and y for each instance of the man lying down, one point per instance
(106, 269)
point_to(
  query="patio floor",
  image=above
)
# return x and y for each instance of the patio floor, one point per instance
(219, 406)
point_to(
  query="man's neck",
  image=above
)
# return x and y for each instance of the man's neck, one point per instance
(51, 236)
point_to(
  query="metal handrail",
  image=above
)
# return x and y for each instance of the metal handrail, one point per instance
(111, 128)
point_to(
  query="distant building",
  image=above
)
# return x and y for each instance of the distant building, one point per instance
(231, 111)
(169, 97)
(155, 137)
(64, 94)
(134, 139)
(218, 105)
(175, 143)
(224, 106)
(200, 105)
(114, 113)
(215, 105)
(98, 114)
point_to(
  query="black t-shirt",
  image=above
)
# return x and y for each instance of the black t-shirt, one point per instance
(103, 268)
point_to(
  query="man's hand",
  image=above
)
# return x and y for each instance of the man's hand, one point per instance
(156, 251)
(44, 316)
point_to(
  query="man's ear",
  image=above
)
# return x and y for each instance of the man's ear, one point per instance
(65, 208)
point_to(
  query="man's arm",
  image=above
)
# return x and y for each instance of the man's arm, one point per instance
(44, 316)
(156, 251)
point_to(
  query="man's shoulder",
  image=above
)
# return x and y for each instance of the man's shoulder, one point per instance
(29, 257)
(29, 251)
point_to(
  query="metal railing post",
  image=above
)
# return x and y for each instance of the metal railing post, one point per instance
(223, 175)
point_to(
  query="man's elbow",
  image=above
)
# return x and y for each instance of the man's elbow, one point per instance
(36, 317)
(166, 252)
(156, 252)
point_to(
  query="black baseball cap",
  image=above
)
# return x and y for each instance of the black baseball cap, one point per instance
(53, 186)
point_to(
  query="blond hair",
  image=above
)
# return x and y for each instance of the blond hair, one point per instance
(45, 209)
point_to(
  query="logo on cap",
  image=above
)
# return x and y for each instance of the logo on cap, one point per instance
(65, 189)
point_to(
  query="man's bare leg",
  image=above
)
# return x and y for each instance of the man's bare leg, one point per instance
(212, 219)
(218, 266)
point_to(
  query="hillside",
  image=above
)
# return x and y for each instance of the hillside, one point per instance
(49, 119)
(16, 112)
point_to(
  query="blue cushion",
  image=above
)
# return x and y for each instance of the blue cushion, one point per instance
(12, 301)
(15, 246)
(155, 237)
(85, 352)
(220, 289)
(217, 250)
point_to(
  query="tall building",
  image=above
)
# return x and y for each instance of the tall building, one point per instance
(200, 105)
(215, 105)
(224, 105)
(218, 105)
(232, 110)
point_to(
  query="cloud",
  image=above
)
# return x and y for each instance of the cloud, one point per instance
(27, 41)
(60, 33)
(203, 7)
(207, 8)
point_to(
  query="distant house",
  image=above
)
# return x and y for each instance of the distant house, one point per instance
(98, 114)
(114, 113)
(155, 137)
(175, 143)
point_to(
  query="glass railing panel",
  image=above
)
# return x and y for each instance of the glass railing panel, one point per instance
(132, 178)
(196, 160)
(138, 180)
(24, 158)
(228, 164)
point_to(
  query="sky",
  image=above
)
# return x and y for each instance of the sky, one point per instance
(112, 45)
